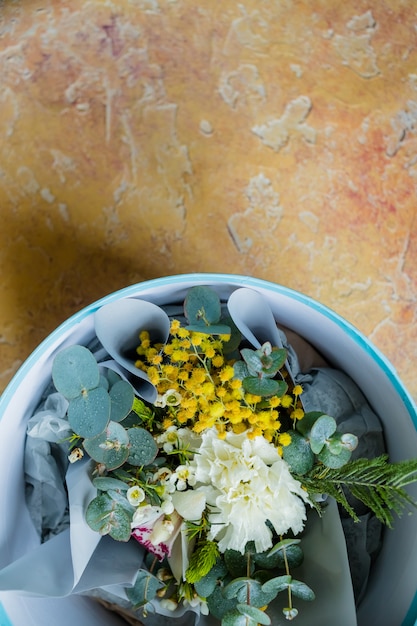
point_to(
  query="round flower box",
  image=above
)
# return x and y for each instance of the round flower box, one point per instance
(391, 598)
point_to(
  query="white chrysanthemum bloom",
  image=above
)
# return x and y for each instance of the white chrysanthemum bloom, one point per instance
(249, 484)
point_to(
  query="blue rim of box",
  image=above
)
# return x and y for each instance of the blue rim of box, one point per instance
(360, 339)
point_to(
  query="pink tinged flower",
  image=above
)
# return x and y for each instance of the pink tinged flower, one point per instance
(158, 534)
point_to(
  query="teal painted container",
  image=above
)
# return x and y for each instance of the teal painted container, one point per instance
(391, 599)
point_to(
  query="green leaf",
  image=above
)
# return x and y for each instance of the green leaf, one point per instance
(122, 396)
(144, 590)
(207, 584)
(107, 517)
(277, 584)
(237, 563)
(235, 335)
(218, 605)
(321, 431)
(264, 387)
(298, 454)
(305, 425)
(235, 618)
(292, 555)
(301, 590)
(109, 447)
(75, 370)
(212, 329)
(244, 587)
(274, 361)
(143, 448)
(258, 616)
(240, 370)
(202, 306)
(334, 460)
(252, 360)
(89, 413)
(104, 483)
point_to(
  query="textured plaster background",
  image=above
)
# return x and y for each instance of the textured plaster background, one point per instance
(140, 138)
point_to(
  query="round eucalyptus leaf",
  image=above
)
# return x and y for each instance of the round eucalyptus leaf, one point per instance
(144, 590)
(207, 584)
(237, 563)
(305, 425)
(104, 483)
(235, 618)
(75, 370)
(277, 584)
(213, 329)
(334, 461)
(301, 590)
(233, 343)
(111, 447)
(143, 448)
(104, 382)
(321, 431)
(218, 605)
(252, 613)
(89, 413)
(298, 454)
(98, 513)
(121, 396)
(202, 306)
(107, 517)
(264, 387)
(277, 556)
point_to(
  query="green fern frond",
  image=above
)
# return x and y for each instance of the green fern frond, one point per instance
(376, 482)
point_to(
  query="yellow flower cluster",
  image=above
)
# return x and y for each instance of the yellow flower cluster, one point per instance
(193, 365)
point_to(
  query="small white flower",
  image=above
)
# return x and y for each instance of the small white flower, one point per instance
(169, 398)
(172, 397)
(135, 495)
(168, 439)
(76, 455)
(168, 604)
(183, 477)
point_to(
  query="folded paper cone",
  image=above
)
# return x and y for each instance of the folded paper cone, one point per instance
(391, 598)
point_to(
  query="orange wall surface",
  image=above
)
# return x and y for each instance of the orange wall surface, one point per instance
(140, 138)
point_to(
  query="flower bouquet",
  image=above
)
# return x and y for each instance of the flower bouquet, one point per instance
(189, 459)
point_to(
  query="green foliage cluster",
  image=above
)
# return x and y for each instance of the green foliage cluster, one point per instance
(259, 370)
(108, 420)
(316, 439)
(239, 586)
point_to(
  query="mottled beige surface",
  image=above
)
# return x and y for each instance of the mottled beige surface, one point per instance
(140, 138)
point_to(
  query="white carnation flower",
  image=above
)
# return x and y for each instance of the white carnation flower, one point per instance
(249, 484)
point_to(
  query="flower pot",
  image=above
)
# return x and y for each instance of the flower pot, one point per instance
(391, 598)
